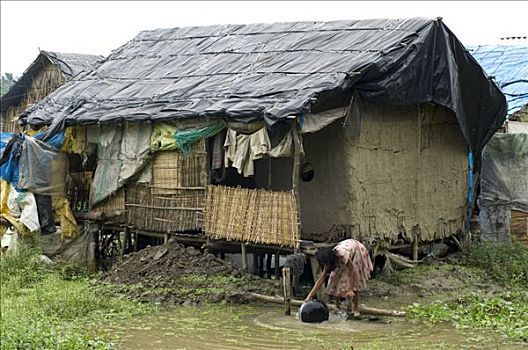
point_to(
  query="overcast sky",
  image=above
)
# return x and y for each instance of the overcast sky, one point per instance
(98, 27)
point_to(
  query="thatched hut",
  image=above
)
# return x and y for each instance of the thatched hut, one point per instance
(275, 133)
(46, 73)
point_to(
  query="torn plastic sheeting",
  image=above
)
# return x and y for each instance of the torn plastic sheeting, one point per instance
(122, 155)
(23, 207)
(504, 174)
(106, 177)
(311, 123)
(43, 169)
(504, 183)
(271, 71)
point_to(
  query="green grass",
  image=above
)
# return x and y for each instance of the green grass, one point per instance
(504, 263)
(56, 306)
(505, 312)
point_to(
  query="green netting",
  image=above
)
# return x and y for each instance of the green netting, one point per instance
(186, 138)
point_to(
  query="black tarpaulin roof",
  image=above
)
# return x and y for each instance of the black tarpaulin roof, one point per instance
(272, 71)
(69, 64)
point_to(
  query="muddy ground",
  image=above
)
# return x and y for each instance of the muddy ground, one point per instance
(172, 274)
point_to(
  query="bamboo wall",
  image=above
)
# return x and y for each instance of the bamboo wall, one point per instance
(174, 200)
(48, 79)
(257, 216)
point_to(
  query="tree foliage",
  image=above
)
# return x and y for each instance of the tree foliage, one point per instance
(7, 80)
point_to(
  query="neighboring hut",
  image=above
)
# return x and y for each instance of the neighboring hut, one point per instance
(275, 133)
(46, 73)
(504, 180)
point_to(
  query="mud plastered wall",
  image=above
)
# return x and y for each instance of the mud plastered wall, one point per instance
(403, 172)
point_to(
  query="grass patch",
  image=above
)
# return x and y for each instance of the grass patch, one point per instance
(504, 313)
(504, 263)
(55, 306)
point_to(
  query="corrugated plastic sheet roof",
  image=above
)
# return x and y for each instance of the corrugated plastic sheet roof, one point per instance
(70, 64)
(272, 71)
(508, 66)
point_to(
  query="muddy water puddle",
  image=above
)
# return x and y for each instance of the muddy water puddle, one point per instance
(265, 327)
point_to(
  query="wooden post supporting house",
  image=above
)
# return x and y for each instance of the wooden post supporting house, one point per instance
(277, 260)
(268, 265)
(126, 240)
(244, 256)
(295, 171)
(286, 283)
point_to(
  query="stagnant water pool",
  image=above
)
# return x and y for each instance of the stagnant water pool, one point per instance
(265, 327)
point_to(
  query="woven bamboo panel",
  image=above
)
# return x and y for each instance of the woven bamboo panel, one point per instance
(178, 211)
(519, 226)
(258, 216)
(114, 203)
(172, 170)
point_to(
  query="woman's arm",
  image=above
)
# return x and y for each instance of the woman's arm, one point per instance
(318, 284)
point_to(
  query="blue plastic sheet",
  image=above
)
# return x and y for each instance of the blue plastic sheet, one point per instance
(508, 66)
(9, 170)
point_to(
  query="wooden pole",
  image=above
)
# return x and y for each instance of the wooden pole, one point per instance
(260, 268)
(318, 284)
(268, 265)
(295, 171)
(315, 274)
(244, 257)
(415, 249)
(286, 283)
(165, 238)
(136, 235)
(277, 260)
(362, 308)
(254, 270)
(126, 238)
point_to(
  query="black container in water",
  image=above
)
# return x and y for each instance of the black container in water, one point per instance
(313, 311)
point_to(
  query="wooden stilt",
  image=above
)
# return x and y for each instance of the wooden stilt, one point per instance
(254, 270)
(295, 172)
(136, 236)
(165, 238)
(268, 265)
(244, 257)
(277, 260)
(126, 239)
(260, 266)
(415, 249)
(286, 283)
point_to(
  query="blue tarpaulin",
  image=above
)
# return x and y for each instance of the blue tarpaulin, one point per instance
(9, 169)
(508, 66)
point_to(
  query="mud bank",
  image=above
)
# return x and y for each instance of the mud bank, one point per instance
(172, 274)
